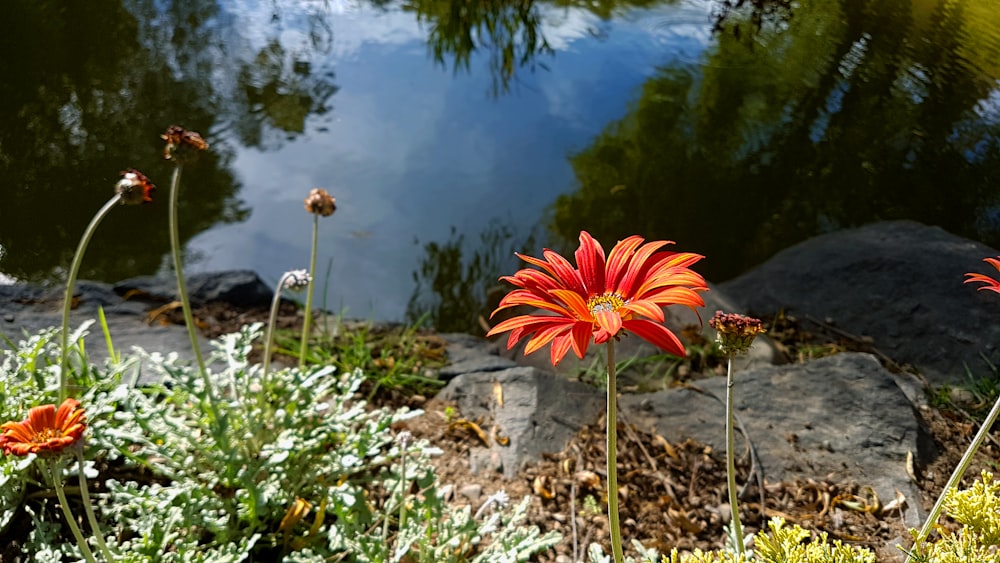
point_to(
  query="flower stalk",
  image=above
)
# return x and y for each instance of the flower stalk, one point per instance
(735, 334)
(52, 473)
(175, 248)
(953, 481)
(74, 270)
(88, 507)
(134, 188)
(612, 454)
(318, 203)
(734, 505)
(404, 441)
(294, 280)
(307, 320)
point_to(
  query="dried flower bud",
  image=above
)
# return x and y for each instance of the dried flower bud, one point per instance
(134, 187)
(181, 142)
(735, 332)
(296, 280)
(320, 202)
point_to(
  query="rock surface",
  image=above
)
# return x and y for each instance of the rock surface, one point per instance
(27, 309)
(537, 411)
(900, 283)
(841, 417)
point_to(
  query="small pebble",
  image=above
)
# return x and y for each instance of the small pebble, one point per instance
(471, 492)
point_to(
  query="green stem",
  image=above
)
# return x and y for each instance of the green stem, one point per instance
(402, 489)
(309, 295)
(612, 424)
(56, 480)
(956, 477)
(70, 282)
(175, 247)
(272, 319)
(734, 506)
(88, 508)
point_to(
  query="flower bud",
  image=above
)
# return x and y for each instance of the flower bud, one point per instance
(297, 280)
(320, 202)
(181, 143)
(735, 332)
(134, 188)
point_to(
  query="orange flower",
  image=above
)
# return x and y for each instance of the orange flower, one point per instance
(45, 431)
(601, 297)
(991, 284)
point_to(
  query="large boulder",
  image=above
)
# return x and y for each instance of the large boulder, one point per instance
(537, 411)
(899, 283)
(842, 417)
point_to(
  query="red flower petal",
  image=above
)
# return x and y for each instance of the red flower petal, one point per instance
(619, 258)
(590, 262)
(636, 266)
(656, 334)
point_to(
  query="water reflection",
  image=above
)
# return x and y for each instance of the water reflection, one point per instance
(784, 123)
(510, 33)
(508, 30)
(835, 116)
(455, 292)
(76, 111)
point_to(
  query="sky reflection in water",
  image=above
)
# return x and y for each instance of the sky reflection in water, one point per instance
(447, 149)
(412, 149)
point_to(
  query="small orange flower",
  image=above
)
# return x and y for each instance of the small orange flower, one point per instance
(991, 284)
(179, 139)
(320, 202)
(45, 431)
(134, 187)
(601, 297)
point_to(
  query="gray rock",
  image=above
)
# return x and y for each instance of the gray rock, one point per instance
(540, 414)
(900, 283)
(27, 309)
(841, 417)
(240, 288)
(470, 354)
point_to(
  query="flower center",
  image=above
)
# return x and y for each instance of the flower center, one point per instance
(606, 302)
(46, 434)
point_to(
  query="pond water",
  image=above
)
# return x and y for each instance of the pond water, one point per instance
(455, 132)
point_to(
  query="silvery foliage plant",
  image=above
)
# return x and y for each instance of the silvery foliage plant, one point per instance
(183, 482)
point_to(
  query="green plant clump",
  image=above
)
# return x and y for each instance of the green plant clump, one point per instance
(295, 467)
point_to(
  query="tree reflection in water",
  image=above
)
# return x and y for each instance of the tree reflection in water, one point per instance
(838, 115)
(456, 292)
(77, 109)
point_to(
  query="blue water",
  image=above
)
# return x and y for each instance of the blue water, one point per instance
(419, 149)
